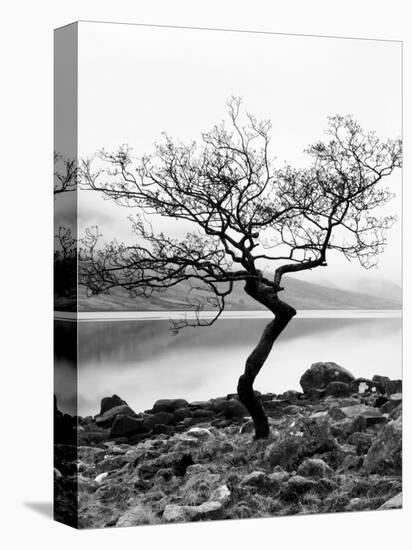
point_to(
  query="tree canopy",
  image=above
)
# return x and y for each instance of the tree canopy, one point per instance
(244, 210)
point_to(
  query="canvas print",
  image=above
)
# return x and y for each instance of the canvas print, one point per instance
(228, 302)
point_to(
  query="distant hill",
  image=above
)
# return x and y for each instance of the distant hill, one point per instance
(300, 294)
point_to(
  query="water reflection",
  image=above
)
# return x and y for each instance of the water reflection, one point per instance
(142, 361)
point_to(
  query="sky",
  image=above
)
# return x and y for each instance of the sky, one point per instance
(136, 82)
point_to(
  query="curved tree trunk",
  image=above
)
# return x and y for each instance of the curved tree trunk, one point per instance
(283, 314)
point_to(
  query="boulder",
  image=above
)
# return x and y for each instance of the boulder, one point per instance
(396, 413)
(169, 405)
(235, 409)
(314, 468)
(286, 453)
(370, 414)
(392, 503)
(321, 374)
(389, 386)
(181, 413)
(279, 475)
(394, 401)
(127, 425)
(161, 417)
(255, 479)
(291, 395)
(385, 454)
(308, 438)
(338, 389)
(366, 386)
(108, 403)
(221, 494)
(106, 419)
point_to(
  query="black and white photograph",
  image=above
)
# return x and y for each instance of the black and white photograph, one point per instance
(228, 276)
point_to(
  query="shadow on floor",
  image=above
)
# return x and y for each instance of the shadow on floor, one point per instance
(45, 509)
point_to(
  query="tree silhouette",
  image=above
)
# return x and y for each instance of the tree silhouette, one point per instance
(242, 213)
(65, 244)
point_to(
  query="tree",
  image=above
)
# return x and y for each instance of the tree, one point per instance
(243, 212)
(65, 245)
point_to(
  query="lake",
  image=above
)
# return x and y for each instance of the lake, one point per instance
(137, 357)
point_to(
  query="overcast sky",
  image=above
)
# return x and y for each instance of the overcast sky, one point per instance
(136, 82)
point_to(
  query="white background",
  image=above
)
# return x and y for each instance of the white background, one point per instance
(26, 253)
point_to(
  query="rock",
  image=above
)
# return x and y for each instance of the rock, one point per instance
(111, 463)
(199, 433)
(362, 442)
(315, 394)
(336, 413)
(351, 462)
(392, 503)
(396, 413)
(380, 401)
(181, 414)
(394, 401)
(235, 409)
(208, 510)
(370, 414)
(175, 513)
(113, 493)
(390, 386)
(314, 468)
(57, 475)
(305, 439)
(338, 389)
(355, 504)
(325, 486)
(203, 414)
(321, 374)
(296, 486)
(285, 453)
(291, 395)
(108, 403)
(161, 417)
(366, 386)
(221, 494)
(342, 429)
(369, 418)
(279, 475)
(219, 404)
(100, 478)
(127, 425)
(169, 405)
(106, 419)
(385, 454)
(139, 514)
(255, 479)
(292, 410)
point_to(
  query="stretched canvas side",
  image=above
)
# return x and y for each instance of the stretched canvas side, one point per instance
(65, 276)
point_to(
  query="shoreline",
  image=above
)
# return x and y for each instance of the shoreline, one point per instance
(110, 316)
(335, 447)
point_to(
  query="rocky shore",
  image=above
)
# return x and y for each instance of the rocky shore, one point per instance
(336, 446)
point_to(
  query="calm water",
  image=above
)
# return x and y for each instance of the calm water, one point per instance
(142, 361)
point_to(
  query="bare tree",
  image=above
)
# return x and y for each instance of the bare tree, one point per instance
(244, 213)
(65, 174)
(65, 245)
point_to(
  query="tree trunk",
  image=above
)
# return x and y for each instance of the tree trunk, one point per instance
(283, 314)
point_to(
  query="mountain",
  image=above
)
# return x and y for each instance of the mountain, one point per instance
(300, 294)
